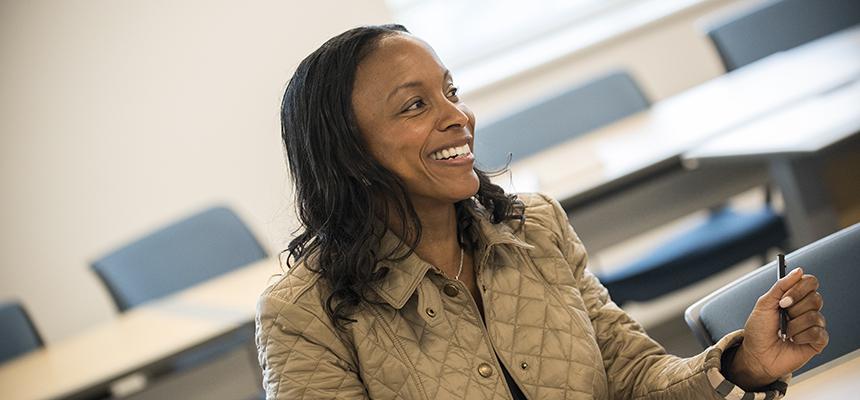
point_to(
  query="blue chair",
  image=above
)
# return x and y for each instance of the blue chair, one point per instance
(834, 260)
(178, 256)
(576, 111)
(195, 249)
(724, 239)
(776, 26)
(17, 333)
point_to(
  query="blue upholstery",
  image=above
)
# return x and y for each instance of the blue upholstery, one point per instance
(780, 25)
(554, 120)
(725, 239)
(17, 333)
(834, 260)
(188, 252)
(176, 257)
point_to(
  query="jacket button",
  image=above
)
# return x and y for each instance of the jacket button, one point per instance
(524, 365)
(431, 312)
(485, 370)
(451, 290)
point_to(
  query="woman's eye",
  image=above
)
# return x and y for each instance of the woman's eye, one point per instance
(415, 105)
(453, 92)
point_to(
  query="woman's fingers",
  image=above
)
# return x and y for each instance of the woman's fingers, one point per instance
(770, 300)
(814, 336)
(807, 284)
(805, 321)
(812, 302)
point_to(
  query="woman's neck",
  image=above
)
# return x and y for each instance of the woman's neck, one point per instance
(438, 244)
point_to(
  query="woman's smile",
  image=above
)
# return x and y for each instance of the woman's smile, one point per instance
(453, 155)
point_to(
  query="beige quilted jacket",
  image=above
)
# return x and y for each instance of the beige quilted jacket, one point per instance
(548, 321)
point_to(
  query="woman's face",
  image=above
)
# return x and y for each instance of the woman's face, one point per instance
(413, 122)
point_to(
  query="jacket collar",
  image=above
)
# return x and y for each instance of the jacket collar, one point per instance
(405, 275)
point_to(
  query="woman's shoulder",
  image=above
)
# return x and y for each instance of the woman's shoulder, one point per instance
(298, 290)
(547, 227)
(541, 210)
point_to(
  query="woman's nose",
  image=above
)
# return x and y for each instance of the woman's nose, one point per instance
(452, 116)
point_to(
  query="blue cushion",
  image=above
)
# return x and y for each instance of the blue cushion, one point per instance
(726, 238)
(780, 25)
(18, 334)
(556, 119)
(178, 256)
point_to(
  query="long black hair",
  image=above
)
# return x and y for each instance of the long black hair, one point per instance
(341, 192)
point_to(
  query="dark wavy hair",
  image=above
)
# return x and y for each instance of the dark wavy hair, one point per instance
(340, 193)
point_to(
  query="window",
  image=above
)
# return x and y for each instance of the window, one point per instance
(465, 31)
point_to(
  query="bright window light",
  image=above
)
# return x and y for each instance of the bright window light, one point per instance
(465, 31)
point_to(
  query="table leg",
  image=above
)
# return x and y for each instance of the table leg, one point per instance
(808, 205)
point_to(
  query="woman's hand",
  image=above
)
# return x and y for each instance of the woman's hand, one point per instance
(763, 357)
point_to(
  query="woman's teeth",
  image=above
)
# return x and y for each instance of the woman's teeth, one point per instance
(452, 152)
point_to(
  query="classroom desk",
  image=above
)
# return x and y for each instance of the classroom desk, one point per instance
(813, 149)
(836, 380)
(628, 177)
(139, 339)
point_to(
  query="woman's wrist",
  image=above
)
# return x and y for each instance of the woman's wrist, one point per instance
(740, 368)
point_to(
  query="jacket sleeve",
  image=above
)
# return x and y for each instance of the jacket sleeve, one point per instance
(301, 356)
(637, 367)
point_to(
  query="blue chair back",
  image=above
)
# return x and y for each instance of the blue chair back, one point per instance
(556, 119)
(185, 253)
(834, 260)
(17, 333)
(780, 25)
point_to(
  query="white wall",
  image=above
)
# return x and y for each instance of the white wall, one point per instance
(118, 116)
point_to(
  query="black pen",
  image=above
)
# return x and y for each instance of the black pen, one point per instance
(783, 314)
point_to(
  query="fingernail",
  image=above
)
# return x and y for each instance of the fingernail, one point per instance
(786, 302)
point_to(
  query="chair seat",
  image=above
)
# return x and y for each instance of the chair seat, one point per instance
(726, 238)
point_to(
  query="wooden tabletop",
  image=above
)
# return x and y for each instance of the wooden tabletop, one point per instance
(588, 165)
(141, 337)
(837, 380)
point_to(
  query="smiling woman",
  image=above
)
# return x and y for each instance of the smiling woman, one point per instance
(356, 159)
(415, 277)
(421, 116)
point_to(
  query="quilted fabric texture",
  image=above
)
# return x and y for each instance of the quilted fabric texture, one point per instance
(548, 320)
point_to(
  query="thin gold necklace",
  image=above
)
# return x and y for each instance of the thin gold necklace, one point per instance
(459, 269)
